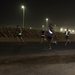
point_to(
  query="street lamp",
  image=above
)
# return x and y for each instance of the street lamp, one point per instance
(46, 23)
(73, 31)
(61, 29)
(65, 29)
(23, 13)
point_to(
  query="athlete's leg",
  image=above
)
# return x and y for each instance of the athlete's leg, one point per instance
(41, 39)
(18, 40)
(67, 40)
(50, 42)
(22, 39)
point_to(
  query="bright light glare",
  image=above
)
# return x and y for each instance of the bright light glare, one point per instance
(65, 29)
(61, 29)
(73, 31)
(22, 6)
(69, 30)
(46, 19)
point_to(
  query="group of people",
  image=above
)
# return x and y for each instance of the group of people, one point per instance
(50, 36)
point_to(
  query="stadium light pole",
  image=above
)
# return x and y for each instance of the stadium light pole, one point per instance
(43, 27)
(23, 7)
(46, 23)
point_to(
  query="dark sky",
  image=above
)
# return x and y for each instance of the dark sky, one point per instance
(59, 12)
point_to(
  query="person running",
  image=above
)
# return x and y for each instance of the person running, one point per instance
(42, 36)
(19, 34)
(67, 34)
(50, 35)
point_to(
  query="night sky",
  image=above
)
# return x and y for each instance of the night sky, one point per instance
(61, 13)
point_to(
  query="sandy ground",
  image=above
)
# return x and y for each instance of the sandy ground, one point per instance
(39, 66)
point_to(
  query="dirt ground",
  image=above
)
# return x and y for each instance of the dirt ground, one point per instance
(53, 65)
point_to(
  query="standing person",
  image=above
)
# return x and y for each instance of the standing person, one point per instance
(50, 35)
(67, 33)
(19, 34)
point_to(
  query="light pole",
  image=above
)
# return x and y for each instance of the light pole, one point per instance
(23, 13)
(46, 23)
(43, 27)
